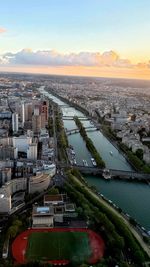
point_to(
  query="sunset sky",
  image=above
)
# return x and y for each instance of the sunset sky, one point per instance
(108, 38)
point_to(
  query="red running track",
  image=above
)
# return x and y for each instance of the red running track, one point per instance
(19, 245)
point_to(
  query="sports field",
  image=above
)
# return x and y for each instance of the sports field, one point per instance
(58, 246)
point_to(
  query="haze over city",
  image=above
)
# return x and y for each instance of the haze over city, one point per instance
(89, 38)
(74, 133)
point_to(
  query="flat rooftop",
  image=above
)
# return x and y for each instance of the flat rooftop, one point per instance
(42, 210)
(51, 198)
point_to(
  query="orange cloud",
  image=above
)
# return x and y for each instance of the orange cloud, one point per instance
(2, 30)
(53, 58)
(106, 64)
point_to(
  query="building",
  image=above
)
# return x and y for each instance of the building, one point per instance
(5, 115)
(15, 122)
(42, 217)
(8, 152)
(39, 182)
(28, 111)
(37, 110)
(22, 113)
(53, 200)
(44, 110)
(22, 143)
(5, 175)
(6, 141)
(43, 121)
(36, 123)
(32, 152)
(5, 203)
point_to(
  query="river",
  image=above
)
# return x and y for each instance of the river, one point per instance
(132, 197)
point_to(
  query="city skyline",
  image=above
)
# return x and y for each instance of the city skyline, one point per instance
(85, 38)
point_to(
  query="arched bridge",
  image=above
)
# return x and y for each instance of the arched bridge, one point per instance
(72, 118)
(114, 173)
(76, 130)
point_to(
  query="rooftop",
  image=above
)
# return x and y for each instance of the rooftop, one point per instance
(42, 210)
(53, 198)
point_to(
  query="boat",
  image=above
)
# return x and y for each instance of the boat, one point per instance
(111, 153)
(106, 174)
(93, 162)
(73, 152)
(148, 233)
(85, 163)
(75, 162)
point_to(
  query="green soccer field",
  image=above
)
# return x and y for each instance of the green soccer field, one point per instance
(50, 246)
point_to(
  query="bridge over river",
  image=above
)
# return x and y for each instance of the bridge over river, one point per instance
(72, 118)
(88, 129)
(114, 173)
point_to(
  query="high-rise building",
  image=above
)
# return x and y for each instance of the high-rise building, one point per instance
(37, 110)
(15, 122)
(32, 152)
(44, 109)
(36, 123)
(22, 113)
(43, 121)
(28, 111)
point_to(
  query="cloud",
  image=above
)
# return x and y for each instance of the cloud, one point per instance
(53, 58)
(2, 30)
(143, 65)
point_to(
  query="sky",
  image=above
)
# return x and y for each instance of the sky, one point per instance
(108, 38)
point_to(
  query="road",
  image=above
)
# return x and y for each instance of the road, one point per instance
(138, 237)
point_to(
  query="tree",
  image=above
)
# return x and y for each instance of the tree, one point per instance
(79, 211)
(53, 191)
(146, 168)
(17, 223)
(139, 153)
(12, 231)
(139, 257)
(132, 221)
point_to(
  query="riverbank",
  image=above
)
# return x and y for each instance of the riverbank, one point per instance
(70, 103)
(132, 197)
(86, 113)
(108, 208)
(99, 162)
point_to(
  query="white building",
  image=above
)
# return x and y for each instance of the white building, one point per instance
(15, 122)
(32, 152)
(43, 217)
(22, 113)
(5, 203)
(22, 143)
(39, 182)
(36, 111)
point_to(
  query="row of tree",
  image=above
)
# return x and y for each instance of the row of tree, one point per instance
(14, 229)
(50, 126)
(62, 140)
(117, 233)
(89, 144)
(136, 158)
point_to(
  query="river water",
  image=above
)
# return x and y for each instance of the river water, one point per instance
(132, 197)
